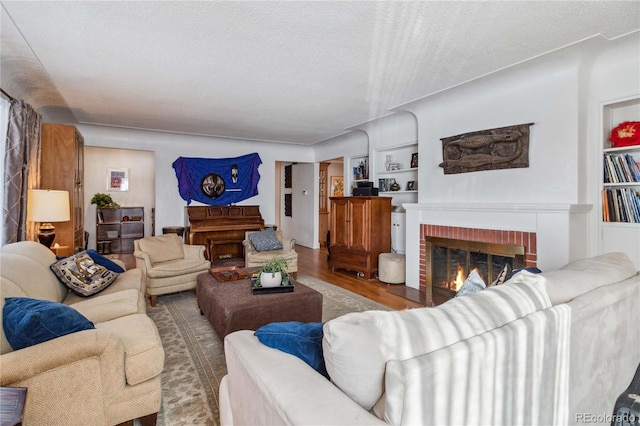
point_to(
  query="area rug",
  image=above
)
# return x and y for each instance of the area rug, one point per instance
(194, 355)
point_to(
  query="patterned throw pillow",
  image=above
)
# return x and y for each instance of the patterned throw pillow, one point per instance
(472, 284)
(503, 276)
(265, 240)
(82, 275)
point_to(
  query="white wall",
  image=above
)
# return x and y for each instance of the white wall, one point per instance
(543, 92)
(614, 75)
(561, 93)
(167, 147)
(141, 193)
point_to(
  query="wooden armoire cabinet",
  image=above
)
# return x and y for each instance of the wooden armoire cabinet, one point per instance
(360, 231)
(62, 168)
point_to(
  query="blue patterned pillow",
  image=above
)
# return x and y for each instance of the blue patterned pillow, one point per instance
(300, 339)
(82, 275)
(265, 240)
(27, 322)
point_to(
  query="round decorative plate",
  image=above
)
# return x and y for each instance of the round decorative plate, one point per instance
(212, 185)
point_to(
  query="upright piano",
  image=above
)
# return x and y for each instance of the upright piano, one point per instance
(221, 228)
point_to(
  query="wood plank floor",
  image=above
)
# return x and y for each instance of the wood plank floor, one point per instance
(314, 262)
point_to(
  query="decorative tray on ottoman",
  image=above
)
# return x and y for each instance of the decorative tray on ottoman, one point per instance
(257, 289)
(228, 273)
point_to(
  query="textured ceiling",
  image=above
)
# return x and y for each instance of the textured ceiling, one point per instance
(298, 72)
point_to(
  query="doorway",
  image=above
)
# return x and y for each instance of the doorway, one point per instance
(331, 183)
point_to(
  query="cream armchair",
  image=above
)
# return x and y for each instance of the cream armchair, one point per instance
(254, 257)
(168, 265)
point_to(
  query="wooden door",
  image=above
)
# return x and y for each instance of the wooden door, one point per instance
(359, 223)
(339, 222)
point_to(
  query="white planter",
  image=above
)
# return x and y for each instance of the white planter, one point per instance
(270, 279)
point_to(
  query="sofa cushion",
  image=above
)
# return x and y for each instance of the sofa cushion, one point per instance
(303, 340)
(162, 247)
(265, 240)
(106, 307)
(357, 346)
(28, 321)
(82, 275)
(178, 267)
(144, 355)
(581, 276)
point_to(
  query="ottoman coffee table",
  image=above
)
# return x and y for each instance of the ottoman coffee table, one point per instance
(231, 305)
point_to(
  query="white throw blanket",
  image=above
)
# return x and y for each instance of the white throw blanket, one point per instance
(514, 374)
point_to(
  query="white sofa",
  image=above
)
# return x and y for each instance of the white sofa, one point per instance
(553, 348)
(103, 376)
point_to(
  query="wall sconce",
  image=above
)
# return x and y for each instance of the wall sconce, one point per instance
(46, 206)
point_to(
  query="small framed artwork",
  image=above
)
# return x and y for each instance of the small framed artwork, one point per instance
(337, 186)
(411, 185)
(118, 180)
(414, 160)
(394, 166)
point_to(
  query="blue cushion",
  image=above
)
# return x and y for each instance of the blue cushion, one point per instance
(82, 275)
(303, 340)
(27, 322)
(265, 240)
(105, 261)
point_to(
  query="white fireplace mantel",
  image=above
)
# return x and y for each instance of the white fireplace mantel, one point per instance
(562, 229)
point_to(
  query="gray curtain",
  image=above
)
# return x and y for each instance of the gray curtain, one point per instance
(21, 170)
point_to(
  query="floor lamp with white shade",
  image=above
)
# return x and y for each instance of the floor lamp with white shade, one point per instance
(46, 206)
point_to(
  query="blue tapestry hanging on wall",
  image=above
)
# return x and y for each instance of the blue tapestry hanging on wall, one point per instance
(218, 181)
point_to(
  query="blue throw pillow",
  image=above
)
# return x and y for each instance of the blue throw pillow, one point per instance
(105, 261)
(27, 322)
(303, 340)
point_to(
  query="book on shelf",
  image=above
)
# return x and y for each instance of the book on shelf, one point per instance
(620, 168)
(621, 205)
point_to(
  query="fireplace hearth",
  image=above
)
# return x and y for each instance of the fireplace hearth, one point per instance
(449, 261)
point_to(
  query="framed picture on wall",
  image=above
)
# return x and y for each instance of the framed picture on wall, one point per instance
(414, 160)
(337, 186)
(118, 180)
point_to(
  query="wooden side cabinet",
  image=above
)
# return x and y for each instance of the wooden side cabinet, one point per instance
(62, 168)
(360, 231)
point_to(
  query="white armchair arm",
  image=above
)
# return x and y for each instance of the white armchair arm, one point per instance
(288, 244)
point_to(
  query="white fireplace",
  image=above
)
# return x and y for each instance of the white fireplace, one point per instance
(552, 234)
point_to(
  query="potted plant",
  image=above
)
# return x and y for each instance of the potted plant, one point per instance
(273, 273)
(104, 201)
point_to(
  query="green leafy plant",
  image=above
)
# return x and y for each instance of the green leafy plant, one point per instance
(104, 201)
(276, 264)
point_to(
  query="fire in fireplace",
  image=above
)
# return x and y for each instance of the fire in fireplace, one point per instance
(449, 262)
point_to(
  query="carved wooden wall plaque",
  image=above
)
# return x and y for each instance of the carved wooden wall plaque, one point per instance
(501, 148)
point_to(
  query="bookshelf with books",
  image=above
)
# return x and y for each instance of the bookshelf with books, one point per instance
(620, 168)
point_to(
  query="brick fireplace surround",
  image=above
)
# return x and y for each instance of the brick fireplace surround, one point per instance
(492, 236)
(552, 234)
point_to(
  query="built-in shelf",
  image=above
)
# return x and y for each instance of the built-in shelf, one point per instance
(620, 225)
(117, 229)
